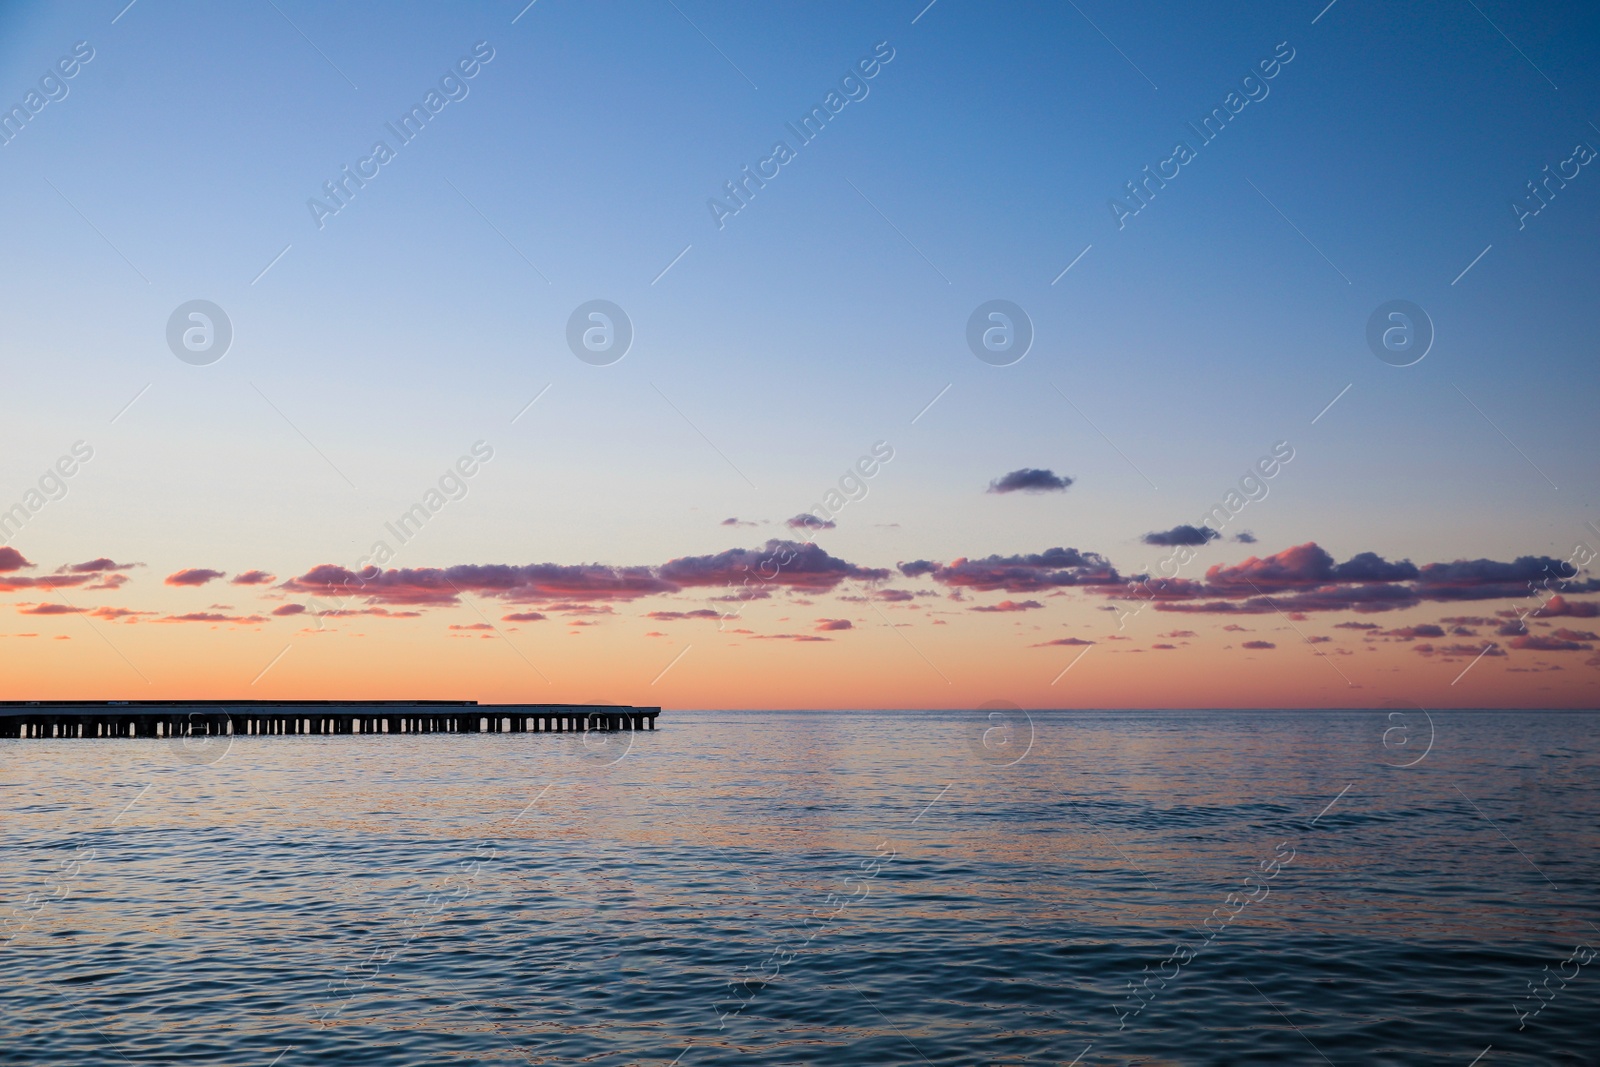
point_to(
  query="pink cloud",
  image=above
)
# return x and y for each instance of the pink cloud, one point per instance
(1306, 578)
(96, 566)
(48, 609)
(118, 613)
(781, 564)
(193, 576)
(211, 616)
(1457, 651)
(1008, 605)
(1559, 605)
(1548, 643)
(1050, 569)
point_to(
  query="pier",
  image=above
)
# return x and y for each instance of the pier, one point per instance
(201, 718)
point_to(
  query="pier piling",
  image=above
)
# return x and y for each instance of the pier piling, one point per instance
(256, 718)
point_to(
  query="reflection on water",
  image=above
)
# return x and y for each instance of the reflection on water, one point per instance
(836, 888)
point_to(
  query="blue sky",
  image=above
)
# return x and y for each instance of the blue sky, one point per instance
(825, 315)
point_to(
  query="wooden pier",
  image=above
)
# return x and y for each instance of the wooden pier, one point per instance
(201, 718)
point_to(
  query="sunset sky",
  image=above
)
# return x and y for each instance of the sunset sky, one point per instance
(585, 529)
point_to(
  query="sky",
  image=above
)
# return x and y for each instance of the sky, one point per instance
(1203, 303)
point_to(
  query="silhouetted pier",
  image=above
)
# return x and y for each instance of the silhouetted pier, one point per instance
(200, 718)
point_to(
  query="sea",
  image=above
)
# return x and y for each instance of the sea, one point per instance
(985, 887)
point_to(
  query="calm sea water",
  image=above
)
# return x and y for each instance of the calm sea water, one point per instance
(832, 888)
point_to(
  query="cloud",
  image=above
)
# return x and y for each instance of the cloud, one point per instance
(524, 616)
(1164, 648)
(96, 566)
(1237, 628)
(1356, 626)
(1411, 633)
(672, 616)
(807, 521)
(824, 625)
(289, 609)
(1259, 644)
(471, 626)
(780, 564)
(1182, 535)
(1559, 605)
(1306, 578)
(1548, 643)
(571, 608)
(48, 609)
(1458, 651)
(894, 596)
(1030, 480)
(211, 616)
(1575, 635)
(1245, 537)
(12, 561)
(792, 564)
(1062, 641)
(435, 585)
(385, 613)
(193, 576)
(1177, 634)
(1050, 569)
(118, 613)
(736, 522)
(788, 637)
(253, 578)
(1008, 605)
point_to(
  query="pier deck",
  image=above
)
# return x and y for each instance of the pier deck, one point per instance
(199, 718)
